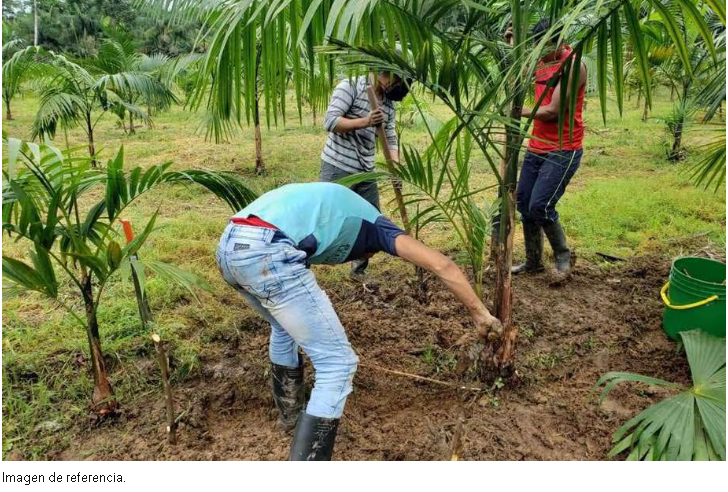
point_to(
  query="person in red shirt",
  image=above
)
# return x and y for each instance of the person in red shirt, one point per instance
(554, 152)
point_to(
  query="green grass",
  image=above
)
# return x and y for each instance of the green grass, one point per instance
(626, 200)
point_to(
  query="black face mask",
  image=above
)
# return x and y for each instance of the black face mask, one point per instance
(396, 92)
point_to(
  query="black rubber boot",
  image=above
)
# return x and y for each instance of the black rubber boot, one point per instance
(557, 238)
(288, 393)
(358, 271)
(533, 239)
(314, 438)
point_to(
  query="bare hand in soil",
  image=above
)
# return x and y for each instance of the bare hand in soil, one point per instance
(488, 326)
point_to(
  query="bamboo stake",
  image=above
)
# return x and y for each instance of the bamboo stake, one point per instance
(146, 316)
(396, 184)
(168, 397)
(422, 378)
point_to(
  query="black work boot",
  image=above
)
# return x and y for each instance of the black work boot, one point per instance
(358, 271)
(314, 438)
(557, 238)
(533, 238)
(288, 392)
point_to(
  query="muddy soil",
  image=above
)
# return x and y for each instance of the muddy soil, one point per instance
(604, 319)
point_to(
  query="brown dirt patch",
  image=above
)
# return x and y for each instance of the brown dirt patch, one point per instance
(602, 320)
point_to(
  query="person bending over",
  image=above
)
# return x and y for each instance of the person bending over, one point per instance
(264, 253)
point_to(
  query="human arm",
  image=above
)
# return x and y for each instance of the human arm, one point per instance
(391, 134)
(339, 105)
(448, 272)
(550, 112)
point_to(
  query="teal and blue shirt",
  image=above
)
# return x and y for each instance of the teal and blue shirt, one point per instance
(331, 223)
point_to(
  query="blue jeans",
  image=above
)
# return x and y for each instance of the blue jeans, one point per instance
(265, 267)
(543, 180)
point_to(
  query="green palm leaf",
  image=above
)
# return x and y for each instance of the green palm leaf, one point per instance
(688, 426)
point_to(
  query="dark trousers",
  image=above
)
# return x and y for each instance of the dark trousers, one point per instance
(543, 180)
(368, 190)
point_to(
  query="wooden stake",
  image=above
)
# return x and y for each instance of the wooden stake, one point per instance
(396, 184)
(422, 378)
(168, 397)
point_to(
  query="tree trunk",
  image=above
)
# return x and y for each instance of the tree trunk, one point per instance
(495, 231)
(672, 93)
(103, 399)
(503, 302)
(645, 112)
(132, 131)
(259, 164)
(8, 112)
(35, 22)
(90, 132)
(677, 141)
(639, 98)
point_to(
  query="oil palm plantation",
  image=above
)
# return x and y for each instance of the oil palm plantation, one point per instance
(452, 47)
(51, 203)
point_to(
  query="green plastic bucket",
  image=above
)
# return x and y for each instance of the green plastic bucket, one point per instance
(695, 297)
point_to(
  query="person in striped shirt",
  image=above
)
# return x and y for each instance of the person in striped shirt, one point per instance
(350, 145)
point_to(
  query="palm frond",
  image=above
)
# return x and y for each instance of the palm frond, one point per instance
(688, 426)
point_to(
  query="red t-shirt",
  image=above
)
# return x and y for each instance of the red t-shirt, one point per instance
(547, 132)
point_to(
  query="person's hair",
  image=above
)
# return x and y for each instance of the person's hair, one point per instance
(539, 30)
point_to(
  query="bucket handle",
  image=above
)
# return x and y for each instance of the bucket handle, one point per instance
(666, 300)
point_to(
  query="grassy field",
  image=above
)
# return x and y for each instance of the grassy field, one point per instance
(626, 199)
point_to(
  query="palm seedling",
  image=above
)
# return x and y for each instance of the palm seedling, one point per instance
(51, 202)
(687, 426)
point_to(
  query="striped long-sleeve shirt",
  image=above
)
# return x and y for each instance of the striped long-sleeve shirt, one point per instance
(353, 152)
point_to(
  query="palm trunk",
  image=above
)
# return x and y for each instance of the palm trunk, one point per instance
(8, 112)
(103, 399)
(672, 93)
(503, 302)
(677, 141)
(91, 146)
(495, 231)
(639, 98)
(131, 123)
(259, 164)
(645, 111)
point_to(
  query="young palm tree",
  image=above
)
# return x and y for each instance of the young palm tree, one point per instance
(74, 94)
(118, 58)
(446, 48)
(255, 50)
(711, 170)
(19, 67)
(42, 188)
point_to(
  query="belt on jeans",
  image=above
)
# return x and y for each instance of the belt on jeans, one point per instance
(252, 221)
